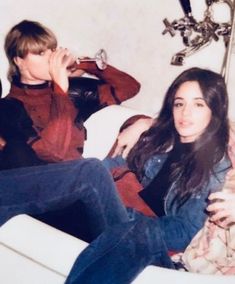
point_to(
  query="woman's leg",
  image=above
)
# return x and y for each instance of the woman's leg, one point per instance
(116, 162)
(36, 190)
(119, 254)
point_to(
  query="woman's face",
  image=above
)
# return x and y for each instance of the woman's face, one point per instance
(190, 112)
(34, 68)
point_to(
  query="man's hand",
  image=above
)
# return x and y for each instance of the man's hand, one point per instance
(58, 67)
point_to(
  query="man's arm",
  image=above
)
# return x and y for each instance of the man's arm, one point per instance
(117, 86)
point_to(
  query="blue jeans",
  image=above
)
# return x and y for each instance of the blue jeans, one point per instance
(120, 253)
(40, 189)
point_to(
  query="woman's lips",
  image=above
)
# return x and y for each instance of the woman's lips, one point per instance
(185, 123)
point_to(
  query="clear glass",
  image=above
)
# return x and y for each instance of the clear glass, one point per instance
(100, 59)
(229, 252)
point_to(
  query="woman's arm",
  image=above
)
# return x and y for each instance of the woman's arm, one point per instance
(191, 216)
(129, 136)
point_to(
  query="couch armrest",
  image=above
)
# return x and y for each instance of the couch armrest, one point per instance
(37, 244)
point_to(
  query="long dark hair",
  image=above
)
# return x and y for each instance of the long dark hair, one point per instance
(208, 149)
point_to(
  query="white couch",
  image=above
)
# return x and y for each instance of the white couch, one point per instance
(32, 252)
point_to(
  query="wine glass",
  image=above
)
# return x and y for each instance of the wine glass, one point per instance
(100, 59)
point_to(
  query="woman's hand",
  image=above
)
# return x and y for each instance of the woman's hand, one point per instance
(59, 61)
(129, 136)
(222, 207)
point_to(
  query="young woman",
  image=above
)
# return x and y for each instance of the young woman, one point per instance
(179, 161)
(38, 73)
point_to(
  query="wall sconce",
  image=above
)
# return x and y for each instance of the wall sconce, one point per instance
(197, 35)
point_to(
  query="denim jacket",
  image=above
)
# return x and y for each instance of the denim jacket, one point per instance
(179, 225)
(190, 217)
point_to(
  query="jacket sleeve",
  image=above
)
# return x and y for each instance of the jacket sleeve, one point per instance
(60, 139)
(180, 226)
(118, 86)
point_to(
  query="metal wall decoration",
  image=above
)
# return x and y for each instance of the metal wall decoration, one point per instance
(197, 35)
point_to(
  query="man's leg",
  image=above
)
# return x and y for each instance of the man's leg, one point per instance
(72, 220)
(36, 190)
(120, 253)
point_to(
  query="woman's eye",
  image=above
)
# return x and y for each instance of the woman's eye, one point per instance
(178, 104)
(199, 105)
(41, 53)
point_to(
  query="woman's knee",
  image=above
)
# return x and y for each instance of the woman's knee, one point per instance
(91, 165)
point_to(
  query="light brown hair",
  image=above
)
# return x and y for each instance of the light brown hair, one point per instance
(27, 37)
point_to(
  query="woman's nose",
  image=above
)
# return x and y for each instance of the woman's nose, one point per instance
(186, 110)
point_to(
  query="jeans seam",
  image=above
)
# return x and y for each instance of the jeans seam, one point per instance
(109, 249)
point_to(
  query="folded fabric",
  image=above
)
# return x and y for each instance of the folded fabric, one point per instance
(212, 251)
